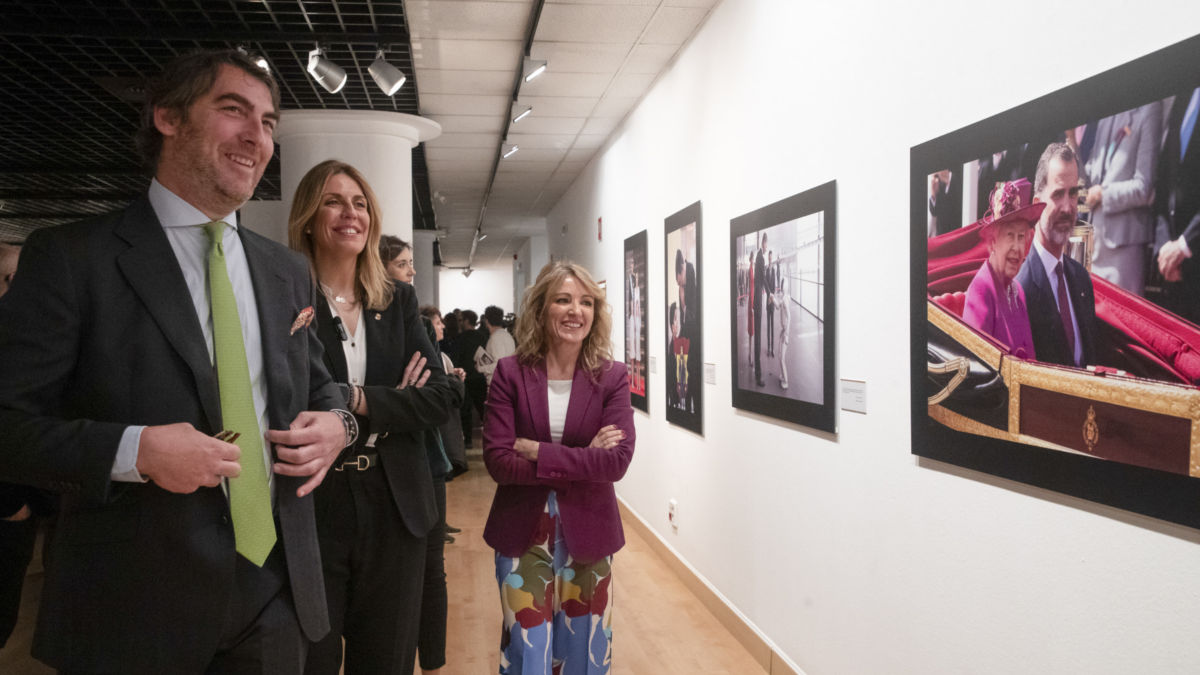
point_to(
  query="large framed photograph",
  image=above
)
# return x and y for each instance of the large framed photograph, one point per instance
(684, 362)
(782, 274)
(1055, 294)
(636, 340)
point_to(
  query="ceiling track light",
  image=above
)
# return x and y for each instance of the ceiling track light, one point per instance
(388, 77)
(327, 73)
(534, 67)
(525, 111)
(510, 151)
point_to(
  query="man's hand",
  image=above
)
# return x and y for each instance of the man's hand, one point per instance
(1170, 258)
(308, 447)
(460, 374)
(1095, 197)
(23, 514)
(180, 459)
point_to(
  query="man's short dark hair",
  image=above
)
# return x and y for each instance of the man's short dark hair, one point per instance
(181, 83)
(494, 316)
(470, 318)
(678, 262)
(1063, 152)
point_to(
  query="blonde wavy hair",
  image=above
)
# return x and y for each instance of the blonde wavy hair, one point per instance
(532, 334)
(373, 279)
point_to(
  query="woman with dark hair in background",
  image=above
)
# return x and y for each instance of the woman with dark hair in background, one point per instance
(377, 505)
(558, 434)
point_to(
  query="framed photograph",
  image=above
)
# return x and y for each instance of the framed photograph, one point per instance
(637, 343)
(782, 274)
(684, 362)
(1054, 306)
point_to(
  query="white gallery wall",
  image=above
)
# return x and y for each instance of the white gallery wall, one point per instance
(845, 551)
(484, 287)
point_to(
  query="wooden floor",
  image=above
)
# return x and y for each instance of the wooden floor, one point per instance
(659, 627)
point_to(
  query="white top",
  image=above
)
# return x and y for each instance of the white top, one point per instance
(499, 345)
(558, 392)
(1049, 262)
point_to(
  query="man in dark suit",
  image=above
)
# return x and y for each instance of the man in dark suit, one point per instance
(945, 201)
(770, 303)
(470, 340)
(1177, 208)
(1058, 290)
(131, 341)
(689, 311)
(760, 285)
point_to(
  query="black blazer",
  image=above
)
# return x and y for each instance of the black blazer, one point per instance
(97, 333)
(397, 415)
(1049, 339)
(1177, 192)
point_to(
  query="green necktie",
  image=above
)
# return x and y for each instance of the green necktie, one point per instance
(249, 493)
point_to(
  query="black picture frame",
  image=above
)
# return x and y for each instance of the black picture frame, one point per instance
(635, 281)
(1150, 492)
(684, 400)
(800, 274)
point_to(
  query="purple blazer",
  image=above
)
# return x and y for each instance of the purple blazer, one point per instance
(582, 476)
(1002, 316)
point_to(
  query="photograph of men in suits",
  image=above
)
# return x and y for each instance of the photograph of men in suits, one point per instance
(759, 290)
(1177, 208)
(131, 341)
(1120, 176)
(689, 310)
(1058, 290)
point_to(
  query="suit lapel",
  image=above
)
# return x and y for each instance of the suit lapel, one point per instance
(275, 316)
(583, 392)
(154, 275)
(335, 356)
(537, 399)
(378, 363)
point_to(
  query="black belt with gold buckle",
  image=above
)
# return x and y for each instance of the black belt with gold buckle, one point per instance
(357, 463)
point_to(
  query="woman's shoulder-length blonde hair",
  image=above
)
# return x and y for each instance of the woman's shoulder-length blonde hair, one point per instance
(372, 276)
(531, 331)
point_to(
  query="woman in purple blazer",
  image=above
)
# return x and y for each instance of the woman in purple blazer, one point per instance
(559, 433)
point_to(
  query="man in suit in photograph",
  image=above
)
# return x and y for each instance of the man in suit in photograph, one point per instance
(1177, 208)
(945, 202)
(131, 342)
(1120, 174)
(1058, 290)
(689, 322)
(760, 285)
(770, 288)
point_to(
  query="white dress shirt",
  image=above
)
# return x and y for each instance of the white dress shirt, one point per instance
(184, 227)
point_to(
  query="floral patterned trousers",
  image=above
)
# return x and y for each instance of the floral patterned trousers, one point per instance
(557, 610)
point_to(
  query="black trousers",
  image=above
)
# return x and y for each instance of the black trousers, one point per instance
(374, 570)
(757, 340)
(16, 550)
(431, 638)
(474, 399)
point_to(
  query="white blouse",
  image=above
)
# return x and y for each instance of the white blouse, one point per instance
(559, 395)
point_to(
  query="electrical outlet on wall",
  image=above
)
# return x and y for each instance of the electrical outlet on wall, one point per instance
(673, 513)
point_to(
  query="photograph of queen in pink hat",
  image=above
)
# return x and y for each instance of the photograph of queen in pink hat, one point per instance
(995, 302)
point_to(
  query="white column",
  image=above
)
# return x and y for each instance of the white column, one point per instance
(379, 144)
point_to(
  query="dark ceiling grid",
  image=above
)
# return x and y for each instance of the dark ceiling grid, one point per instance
(66, 67)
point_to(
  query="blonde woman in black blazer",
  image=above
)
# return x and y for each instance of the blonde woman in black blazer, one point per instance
(377, 505)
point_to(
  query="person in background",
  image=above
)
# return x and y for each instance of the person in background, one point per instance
(377, 506)
(397, 257)
(19, 506)
(559, 433)
(1058, 290)
(995, 302)
(499, 345)
(470, 341)
(1121, 179)
(163, 374)
(1177, 208)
